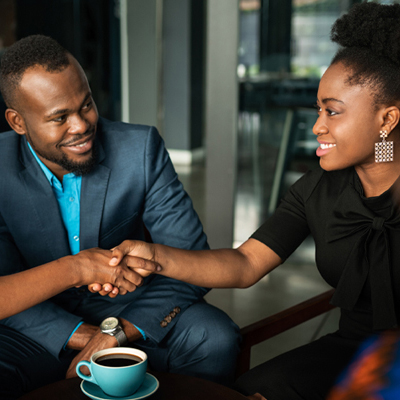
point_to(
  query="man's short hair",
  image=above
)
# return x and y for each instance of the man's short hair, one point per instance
(26, 53)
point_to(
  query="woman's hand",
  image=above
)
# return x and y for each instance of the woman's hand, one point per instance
(137, 255)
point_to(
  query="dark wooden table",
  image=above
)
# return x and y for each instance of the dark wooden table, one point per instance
(172, 386)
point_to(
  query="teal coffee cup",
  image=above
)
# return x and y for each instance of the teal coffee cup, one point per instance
(118, 371)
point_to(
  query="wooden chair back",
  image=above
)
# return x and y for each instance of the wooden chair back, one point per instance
(278, 323)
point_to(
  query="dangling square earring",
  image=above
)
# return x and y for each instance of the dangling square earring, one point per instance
(384, 149)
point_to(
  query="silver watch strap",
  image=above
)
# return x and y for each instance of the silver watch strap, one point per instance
(121, 337)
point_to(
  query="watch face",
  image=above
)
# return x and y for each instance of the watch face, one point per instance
(109, 324)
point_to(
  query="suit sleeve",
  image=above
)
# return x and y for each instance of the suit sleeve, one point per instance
(47, 323)
(171, 220)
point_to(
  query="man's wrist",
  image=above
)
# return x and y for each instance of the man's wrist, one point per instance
(70, 336)
(74, 269)
(131, 332)
(111, 326)
(82, 336)
(70, 271)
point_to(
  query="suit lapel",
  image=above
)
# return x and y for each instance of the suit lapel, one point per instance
(45, 210)
(93, 193)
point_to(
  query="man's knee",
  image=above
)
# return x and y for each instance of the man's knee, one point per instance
(212, 331)
(205, 343)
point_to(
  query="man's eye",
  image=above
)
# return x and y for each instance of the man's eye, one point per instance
(87, 105)
(59, 119)
(317, 107)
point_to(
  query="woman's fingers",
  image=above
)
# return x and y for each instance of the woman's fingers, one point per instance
(140, 264)
(123, 291)
(119, 252)
(135, 248)
(132, 270)
(129, 279)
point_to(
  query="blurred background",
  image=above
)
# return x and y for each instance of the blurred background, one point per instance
(231, 86)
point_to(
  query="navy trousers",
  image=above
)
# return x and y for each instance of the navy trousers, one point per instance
(203, 343)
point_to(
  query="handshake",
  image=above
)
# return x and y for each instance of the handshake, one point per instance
(116, 271)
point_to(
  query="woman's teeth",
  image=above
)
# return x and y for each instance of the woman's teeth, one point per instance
(327, 145)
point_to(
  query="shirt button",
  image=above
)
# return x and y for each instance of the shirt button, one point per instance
(76, 238)
(71, 199)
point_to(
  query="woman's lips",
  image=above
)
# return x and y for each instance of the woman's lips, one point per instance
(324, 148)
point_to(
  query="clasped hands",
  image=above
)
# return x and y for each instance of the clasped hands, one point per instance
(126, 265)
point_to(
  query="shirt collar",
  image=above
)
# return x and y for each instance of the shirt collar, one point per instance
(49, 175)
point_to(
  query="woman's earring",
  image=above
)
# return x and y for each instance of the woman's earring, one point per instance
(384, 149)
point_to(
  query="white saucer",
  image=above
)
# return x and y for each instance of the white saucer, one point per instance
(149, 386)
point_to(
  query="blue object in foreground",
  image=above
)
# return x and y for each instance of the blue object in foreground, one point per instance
(149, 386)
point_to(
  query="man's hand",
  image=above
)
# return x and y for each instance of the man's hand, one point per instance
(106, 289)
(98, 342)
(90, 339)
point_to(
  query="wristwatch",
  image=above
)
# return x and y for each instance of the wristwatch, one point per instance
(111, 327)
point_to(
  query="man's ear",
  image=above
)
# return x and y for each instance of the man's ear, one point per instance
(16, 121)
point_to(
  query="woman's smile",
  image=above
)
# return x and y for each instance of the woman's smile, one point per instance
(324, 148)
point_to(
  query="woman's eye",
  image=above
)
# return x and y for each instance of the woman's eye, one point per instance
(331, 112)
(317, 107)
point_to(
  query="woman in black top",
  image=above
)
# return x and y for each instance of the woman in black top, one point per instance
(347, 206)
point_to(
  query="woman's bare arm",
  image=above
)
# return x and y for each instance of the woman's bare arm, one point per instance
(241, 267)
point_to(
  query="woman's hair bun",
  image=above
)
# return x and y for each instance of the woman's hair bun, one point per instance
(370, 26)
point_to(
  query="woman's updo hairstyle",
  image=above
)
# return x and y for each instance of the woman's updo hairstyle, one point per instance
(370, 38)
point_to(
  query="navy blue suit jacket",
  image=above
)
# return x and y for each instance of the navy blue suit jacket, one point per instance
(133, 184)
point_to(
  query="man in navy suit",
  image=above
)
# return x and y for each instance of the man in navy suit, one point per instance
(70, 181)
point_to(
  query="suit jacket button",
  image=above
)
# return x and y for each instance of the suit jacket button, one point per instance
(172, 314)
(177, 310)
(163, 323)
(168, 318)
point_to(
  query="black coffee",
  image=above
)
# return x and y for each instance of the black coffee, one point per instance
(118, 360)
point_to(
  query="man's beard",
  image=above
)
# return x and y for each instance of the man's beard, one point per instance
(64, 162)
(75, 167)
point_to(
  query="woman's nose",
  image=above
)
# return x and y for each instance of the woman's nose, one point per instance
(319, 127)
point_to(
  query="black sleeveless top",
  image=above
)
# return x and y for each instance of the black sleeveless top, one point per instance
(357, 245)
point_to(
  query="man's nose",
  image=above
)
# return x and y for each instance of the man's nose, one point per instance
(78, 125)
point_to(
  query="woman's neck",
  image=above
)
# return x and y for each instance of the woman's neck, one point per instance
(379, 178)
